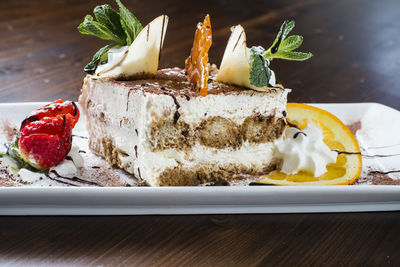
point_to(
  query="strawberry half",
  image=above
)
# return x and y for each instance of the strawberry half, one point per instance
(54, 109)
(45, 136)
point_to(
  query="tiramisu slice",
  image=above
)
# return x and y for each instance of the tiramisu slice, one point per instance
(166, 134)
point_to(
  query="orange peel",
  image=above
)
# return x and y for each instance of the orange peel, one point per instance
(196, 63)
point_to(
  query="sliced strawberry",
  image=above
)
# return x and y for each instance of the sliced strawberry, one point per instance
(42, 150)
(60, 125)
(45, 141)
(54, 109)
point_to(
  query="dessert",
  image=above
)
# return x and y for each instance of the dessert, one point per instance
(166, 134)
(192, 126)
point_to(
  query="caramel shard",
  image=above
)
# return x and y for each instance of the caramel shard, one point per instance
(196, 63)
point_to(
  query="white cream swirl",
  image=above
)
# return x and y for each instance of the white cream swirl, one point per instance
(304, 150)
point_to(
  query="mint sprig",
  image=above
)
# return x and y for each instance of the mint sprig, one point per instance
(121, 27)
(282, 47)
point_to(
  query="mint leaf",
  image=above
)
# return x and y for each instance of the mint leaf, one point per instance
(291, 43)
(111, 19)
(286, 27)
(99, 57)
(259, 72)
(91, 27)
(129, 22)
(297, 56)
(283, 45)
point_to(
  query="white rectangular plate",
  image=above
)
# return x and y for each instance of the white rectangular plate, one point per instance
(380, 128)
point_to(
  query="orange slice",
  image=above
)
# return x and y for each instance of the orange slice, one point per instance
(196, 63)
(337, 136)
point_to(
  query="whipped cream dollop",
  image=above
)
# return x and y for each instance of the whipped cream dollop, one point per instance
(29, 176)
(70, 165)
(304, 151)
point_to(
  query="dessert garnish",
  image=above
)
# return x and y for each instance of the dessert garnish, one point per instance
(135, 51)
(45, 136)
(249, 67)
(196, 63)
(122, 28)
(304, 150)
(304, 163)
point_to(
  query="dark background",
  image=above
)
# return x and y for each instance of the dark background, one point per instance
(355, 44)
(357, 59)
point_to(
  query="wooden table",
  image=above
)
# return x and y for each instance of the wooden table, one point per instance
(357, 59)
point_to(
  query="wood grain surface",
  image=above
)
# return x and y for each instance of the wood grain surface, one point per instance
(357, 59)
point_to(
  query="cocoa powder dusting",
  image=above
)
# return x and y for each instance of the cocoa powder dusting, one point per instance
(9, 131)
(354, 127)
(384, 179)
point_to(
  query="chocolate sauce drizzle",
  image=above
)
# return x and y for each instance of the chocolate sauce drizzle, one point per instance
(274, 49)
(60, 181)
(30, 119)
(74, 179)
(127, 99)
(298, 133)
(148, 32)
(237, 41)
(365, 155)
(293, 125)
(80, 136)
(75, 108)
(176, 114)
(259, 184)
